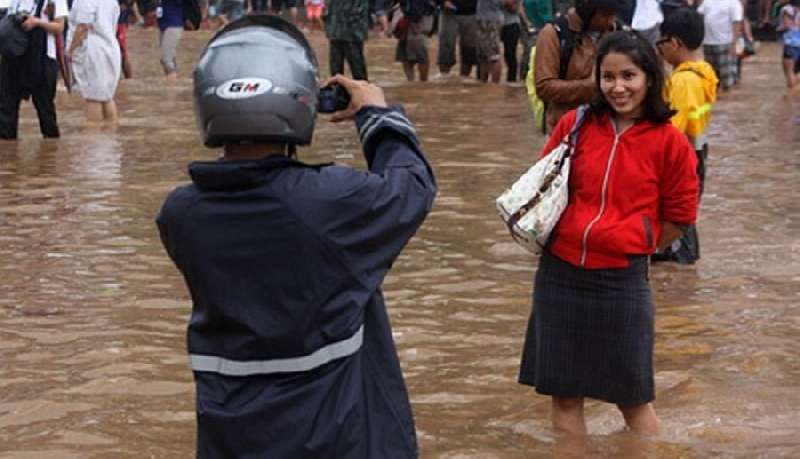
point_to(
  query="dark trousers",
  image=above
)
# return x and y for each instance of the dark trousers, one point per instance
(353, 51)
(510, 34)
(687, 251)
(43, 95)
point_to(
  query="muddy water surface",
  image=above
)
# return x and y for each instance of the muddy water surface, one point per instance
(92, 313)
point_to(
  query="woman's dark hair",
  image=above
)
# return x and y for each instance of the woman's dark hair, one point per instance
(685, 24)
(643, 55)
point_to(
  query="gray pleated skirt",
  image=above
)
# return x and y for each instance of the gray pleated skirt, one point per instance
(590, 333)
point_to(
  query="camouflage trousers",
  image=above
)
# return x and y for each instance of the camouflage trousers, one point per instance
(353, 52)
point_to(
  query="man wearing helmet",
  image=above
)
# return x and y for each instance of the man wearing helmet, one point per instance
(289, 339)
(565, 85)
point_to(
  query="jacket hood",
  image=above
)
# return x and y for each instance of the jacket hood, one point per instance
(606, 123)
(708, 77)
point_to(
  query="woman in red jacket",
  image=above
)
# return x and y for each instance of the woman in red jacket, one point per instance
(633, 186)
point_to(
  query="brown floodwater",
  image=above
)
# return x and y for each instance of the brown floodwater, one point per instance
(92, 313)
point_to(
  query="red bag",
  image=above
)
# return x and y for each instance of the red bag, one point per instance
(400, 24)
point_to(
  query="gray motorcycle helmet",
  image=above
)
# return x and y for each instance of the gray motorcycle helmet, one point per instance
(256, 82)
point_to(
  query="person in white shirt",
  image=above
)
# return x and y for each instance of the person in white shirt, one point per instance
(647, 17)
(33, 74)
(723, 23)
(96, 58)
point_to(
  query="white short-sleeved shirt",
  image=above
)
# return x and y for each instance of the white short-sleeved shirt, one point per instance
(647, 15)
(29, 6)
(96, 62)
(719, 16)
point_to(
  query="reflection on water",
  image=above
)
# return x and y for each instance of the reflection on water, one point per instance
(92, 313)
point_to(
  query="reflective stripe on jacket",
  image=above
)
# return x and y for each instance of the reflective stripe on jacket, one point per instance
(691, 91)
(289, 337)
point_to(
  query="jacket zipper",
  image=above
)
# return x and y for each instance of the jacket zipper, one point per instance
(603, 193)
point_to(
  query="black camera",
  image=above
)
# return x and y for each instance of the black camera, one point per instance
(332, 98)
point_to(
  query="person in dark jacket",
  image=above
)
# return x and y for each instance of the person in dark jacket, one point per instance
(33, 75)
(347, 28)
(289, 338)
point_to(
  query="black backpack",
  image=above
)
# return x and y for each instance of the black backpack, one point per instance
(566, 42)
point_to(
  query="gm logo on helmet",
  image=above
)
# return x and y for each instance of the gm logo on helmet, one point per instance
(242, 88)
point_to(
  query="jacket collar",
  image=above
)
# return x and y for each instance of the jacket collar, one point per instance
(606, 123)
(232, 175)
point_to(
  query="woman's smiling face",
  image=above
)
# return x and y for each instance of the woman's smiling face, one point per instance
(624, 85)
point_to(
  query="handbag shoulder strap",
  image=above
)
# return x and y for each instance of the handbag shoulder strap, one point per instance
(571, 139)
(580, 115)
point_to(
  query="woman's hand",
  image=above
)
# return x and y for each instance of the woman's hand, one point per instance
(362, 94)
(669, 233)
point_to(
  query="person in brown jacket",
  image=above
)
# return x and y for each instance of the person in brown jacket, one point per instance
(587, 22)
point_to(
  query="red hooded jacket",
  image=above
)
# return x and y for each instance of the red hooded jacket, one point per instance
(621, 189)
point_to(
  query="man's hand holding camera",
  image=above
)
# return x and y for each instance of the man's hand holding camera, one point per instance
(362, 94)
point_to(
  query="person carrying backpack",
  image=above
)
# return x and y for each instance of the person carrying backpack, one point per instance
(564, 53)
(691, 90)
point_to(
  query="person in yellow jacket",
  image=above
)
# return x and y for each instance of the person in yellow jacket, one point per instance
(691, 91)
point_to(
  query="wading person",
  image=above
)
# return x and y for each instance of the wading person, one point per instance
(510, 35)
(723, 24)
(127, 8)
(96, 58)
(489, 16)
(347, 28)
(565, 85)
(170, 26)
(691, 91)
(34, 74)
(412, 41)
(633, 186)
(789, 18)
(458, 26)
(289, 338)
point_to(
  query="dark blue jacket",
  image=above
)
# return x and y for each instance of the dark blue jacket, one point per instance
(289, 339)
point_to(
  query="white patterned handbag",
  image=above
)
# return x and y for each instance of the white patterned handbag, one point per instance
(533, 205)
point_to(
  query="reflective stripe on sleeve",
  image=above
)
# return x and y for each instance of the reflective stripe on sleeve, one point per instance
(699, 112)
(316, 359)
